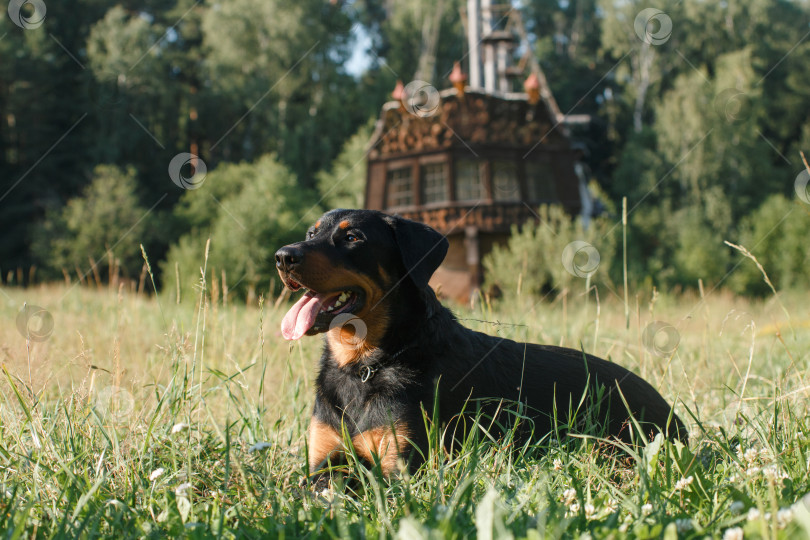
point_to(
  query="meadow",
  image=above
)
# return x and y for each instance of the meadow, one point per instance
(138, 416)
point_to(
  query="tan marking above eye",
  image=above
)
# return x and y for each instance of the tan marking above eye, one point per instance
(318, 224)
(344, 224)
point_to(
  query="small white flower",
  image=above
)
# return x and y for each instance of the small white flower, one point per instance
(177, 428)
(260, 447)
(327, 493)
(574, 508)
(684, 525)
(750, 455)
(156, 474)
(753, 471)
(557, 464)
(773, 473)
(646, 509)
(623, 527)
(734, 533)
(182, 489)
(569, 496)
(683, 483)
(589, 510)
(753, 514)
(784, 516)
(737, 507)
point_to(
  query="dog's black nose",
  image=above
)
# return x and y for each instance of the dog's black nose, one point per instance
(288, 257)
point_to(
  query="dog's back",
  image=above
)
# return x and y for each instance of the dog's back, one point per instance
(559, 388)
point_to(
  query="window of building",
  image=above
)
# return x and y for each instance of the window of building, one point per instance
(400, 187)
(540, 181)
(505, 186)
(434, 183)
(469, 184)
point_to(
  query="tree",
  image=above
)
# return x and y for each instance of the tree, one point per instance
(43, 128)
(105, 225)
(344, 185)
(276, 66)
(400, 31)
(248, 210)
(776, 234)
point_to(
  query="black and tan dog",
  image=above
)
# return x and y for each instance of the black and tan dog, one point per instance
(391, 349)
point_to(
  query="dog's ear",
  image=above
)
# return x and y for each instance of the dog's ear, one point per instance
(421, 248)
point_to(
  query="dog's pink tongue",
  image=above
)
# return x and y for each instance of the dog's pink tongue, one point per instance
(301, 316)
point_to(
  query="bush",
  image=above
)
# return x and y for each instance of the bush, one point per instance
(345, 185)
(776, 234)
(248, 210)
(106, 218)
(675, 248)
(701, 228)
(532, 262)
(700, 253)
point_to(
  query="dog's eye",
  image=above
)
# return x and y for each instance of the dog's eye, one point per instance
(310, 234)
(351, 238)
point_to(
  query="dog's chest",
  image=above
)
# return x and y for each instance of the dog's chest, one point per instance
(361, 399)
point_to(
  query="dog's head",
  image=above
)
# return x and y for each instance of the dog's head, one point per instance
(350, 264)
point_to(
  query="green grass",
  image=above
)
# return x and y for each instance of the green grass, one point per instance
(137, 417)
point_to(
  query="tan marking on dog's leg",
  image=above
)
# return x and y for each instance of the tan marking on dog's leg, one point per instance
(385, 443)
(324, 441)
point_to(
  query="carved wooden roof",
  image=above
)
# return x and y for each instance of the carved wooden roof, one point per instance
(473, 119)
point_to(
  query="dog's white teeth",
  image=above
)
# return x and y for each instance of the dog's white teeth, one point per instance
(341, 300)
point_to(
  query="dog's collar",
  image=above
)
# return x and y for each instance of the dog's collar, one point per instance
(367, 371)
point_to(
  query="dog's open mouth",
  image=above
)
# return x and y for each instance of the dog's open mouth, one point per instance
(314, 311)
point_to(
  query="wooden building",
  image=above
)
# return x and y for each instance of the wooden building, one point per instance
(471, 162)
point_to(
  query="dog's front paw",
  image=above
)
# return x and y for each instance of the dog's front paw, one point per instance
(316, 483)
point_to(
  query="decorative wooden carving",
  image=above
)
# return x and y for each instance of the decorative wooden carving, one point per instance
(472, 118)
(497, 217)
